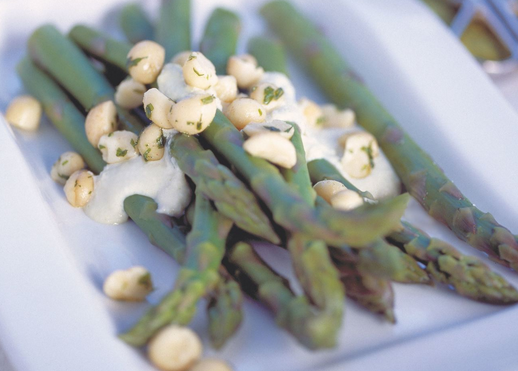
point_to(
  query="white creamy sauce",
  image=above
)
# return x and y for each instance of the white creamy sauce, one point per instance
(161, 180)
(173, 85)
(382, 182)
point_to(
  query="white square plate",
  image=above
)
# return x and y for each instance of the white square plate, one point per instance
(53, 315)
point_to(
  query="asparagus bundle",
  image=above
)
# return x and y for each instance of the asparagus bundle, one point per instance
(220, 38)
(135, 23)
(57, 55)
(468, 275)
(231, 197)
(421, 176)
(198, 276)
(358, 227)
(173, 30)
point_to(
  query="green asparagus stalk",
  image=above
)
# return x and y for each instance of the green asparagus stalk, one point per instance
(224, 310)
(358, 227)
(173, 30)
(421, 176)
(157, 227)
(198, 276)
(61, 112)
(293, 313)
(65, 62)
(269, 53)
(231, 197)
(220, 38)
(100, 45)
(311, 260)
(135, 23)
(467, 275)
(443, 262)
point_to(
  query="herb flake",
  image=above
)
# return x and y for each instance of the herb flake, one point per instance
(121, 152)
(133, 62)
(149, 110)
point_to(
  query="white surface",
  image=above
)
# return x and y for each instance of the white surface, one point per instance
(54, 317)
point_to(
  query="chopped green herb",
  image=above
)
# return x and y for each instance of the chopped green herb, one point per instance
(149, 110)
(121, 152)
(198, 125)
(145, 280)
(368, 151)
(90, 192)
(138, 91)
(272, 94)
(321, 120)
(268, 94)
(63, 176)
(208, 99)
(101, 146)
(110, 135)
(133, 143)
(260, 111)
(133, 62)
(190, 122)
(279, 92)
(197, 73)
(160, 141)
(75, 183)
(146, 154)
(64, 163)
(191, 57)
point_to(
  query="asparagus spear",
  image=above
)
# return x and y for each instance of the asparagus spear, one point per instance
(61, 112)
(173, 30)
(231, 197)
(269, 53)
(198, 276)
(220, 38)
(135, 23)
(293, 313)
(224, 310)
(358, 227)
(157, 227)
(311, 260)
(57, 55)
(100, 45)
(421, 176)
(469, 276)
